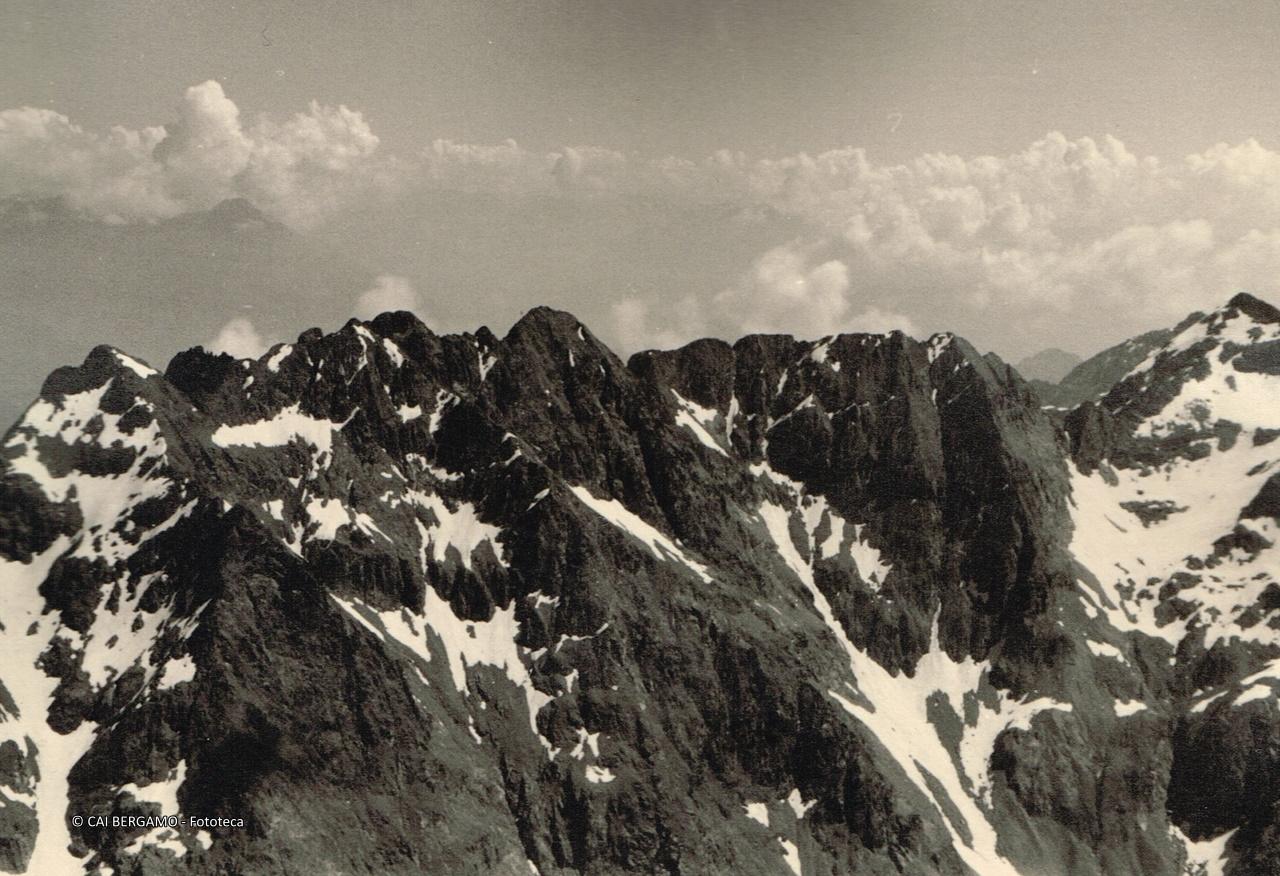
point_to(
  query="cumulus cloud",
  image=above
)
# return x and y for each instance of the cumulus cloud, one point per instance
(388, 292)
(1077, 229)
(589, 167)
(297, 170)
(790, 289)
(238, 338)
(785, 291)
(874, 320)
(640, 324)
(509, 167)
(205, 150)
(1061, 225)
(112, 177)
(505, 166)
(1080, 232)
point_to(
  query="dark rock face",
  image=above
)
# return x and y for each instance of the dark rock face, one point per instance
(387, 601)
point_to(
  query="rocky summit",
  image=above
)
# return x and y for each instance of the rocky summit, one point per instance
(390, 602)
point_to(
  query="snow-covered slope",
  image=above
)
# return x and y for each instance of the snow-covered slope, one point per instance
(1174, 502)
(1173, 507)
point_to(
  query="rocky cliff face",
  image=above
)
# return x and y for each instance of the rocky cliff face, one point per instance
(410, 603)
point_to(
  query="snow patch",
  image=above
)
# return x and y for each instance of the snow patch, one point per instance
(288, 425)
(698, 420)
(328, 516)
(819, 352)
(938, 345)
(662, 547)
(1123, 552)
(1257, 692)
(1207, 701)
(393, 352)
(462, 529)
(599, 775)
(163, 794)
(1105, 649)
(282, 352)
(1125, 708)
(139, 368)
(586, 741)
(895, 708)
(791, 855)
(177, 671)
(444, 399)
(465, 643)
(1205, 858)
(798, 804)
(32, 694)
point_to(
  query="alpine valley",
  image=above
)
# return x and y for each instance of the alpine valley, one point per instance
(405, 603)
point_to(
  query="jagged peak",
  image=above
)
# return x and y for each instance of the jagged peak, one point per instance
(1254, 307)
(1201, 331)
(393, 323)
(197, 371)
(701, 370)
(390, 522)
(546, 332)
(103, 363)
(547, 322)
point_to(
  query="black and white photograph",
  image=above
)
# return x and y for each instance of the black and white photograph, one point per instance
(603, 437)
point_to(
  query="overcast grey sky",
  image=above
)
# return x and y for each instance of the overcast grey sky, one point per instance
(1029, 174)
(672, 76)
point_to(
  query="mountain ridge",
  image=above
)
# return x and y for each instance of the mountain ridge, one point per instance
(845, 605)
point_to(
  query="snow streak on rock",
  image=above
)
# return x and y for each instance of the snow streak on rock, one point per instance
(896, 709)
(661, 546)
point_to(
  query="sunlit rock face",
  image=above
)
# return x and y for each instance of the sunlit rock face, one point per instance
(399, 602)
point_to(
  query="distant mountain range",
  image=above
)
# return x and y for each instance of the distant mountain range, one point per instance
(1049, 365)
(412, 603)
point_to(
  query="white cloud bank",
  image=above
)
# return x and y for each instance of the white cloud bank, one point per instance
(1062, 231)
(296, 170)
(238, 338)
(1076, 227)
(388, 292)
(788, 290)
(1060, 225)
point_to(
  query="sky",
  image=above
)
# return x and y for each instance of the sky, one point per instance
(1026, 174)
